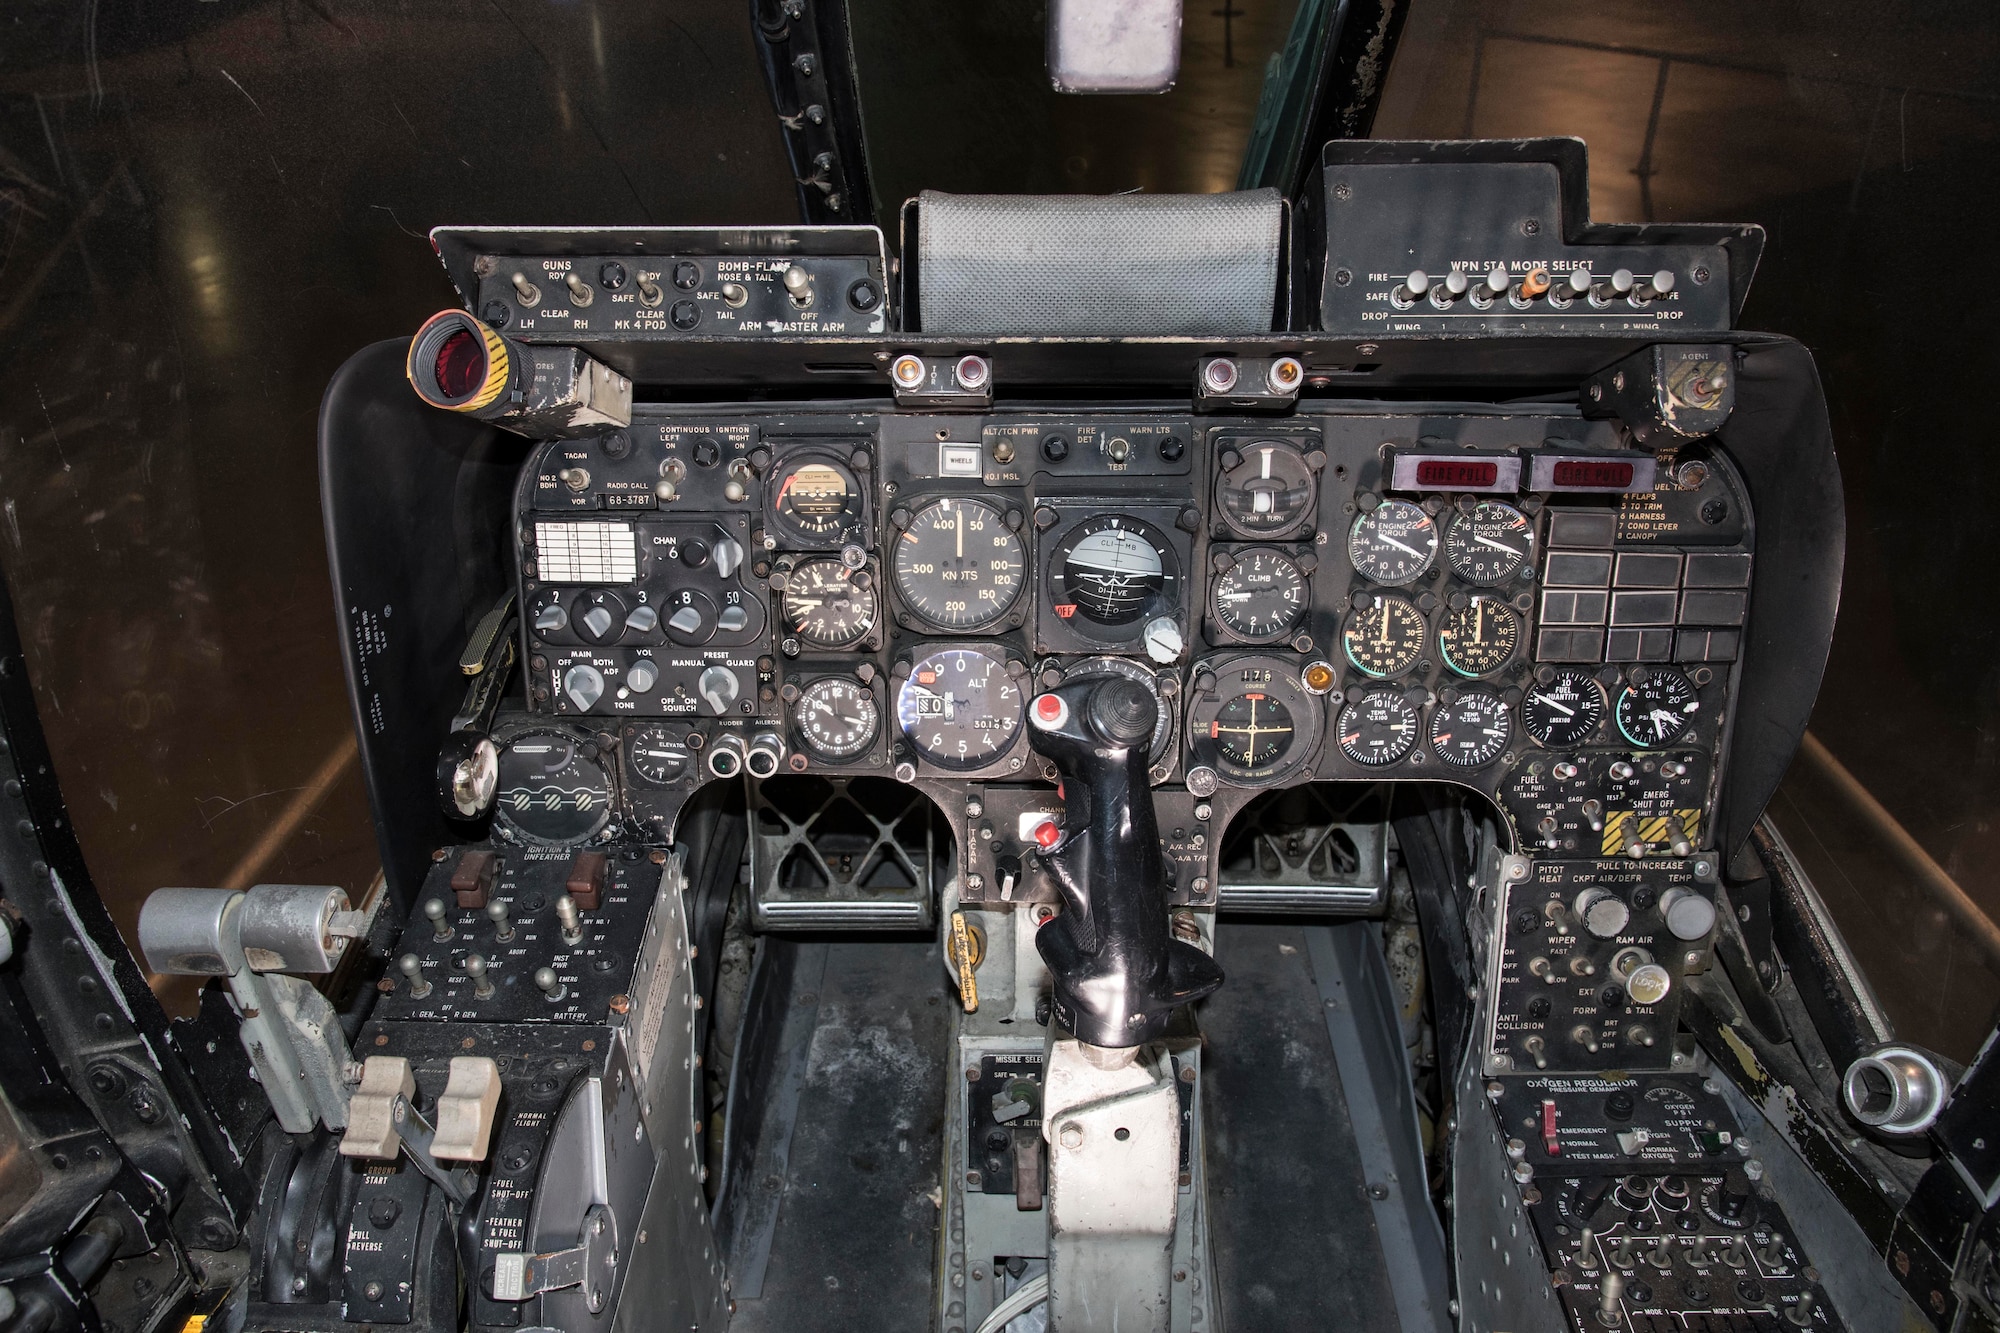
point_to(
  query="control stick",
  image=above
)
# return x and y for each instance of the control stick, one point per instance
(1119, 973)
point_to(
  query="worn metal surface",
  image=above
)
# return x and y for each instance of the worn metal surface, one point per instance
(1360, 1009)
(1114, 1141)
(1295, 1243)
(856, 1223)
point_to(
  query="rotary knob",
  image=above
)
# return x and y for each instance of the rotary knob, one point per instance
(1690, 916)
(1602, 912)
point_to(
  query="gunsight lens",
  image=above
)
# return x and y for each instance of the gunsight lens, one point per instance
(461, 364)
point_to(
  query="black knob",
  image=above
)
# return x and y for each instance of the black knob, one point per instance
(1619, 1106)
(686, 276)
(1123, 711)
(1172, 448)
(1732, 1199)
(611, 275)
(1055, 448)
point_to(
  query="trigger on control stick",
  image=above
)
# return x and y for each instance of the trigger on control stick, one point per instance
(1119, 973)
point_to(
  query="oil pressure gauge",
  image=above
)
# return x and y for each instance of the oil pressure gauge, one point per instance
(1654, 712)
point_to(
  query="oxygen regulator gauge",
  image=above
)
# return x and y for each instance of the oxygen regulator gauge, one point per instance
(1655, 711)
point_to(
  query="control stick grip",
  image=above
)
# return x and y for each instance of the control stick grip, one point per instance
(1119, 973)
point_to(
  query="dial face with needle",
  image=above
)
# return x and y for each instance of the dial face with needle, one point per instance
(960, 707)
(837, 718)
(1262, 596)
(829, 605)
(1471, 730)
(816, 502)
(1268, 491)
(1252, 731)
(1385, 637)
(1563, 710)
(1655, 711)
(1393, 543)
(1480, 637)
(1490, 543)
(657, 755)
(1379, 728)
(958, 565)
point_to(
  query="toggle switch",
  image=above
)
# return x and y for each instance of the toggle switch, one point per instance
(1491, 287)
(503, 929)
(1567, 287)
(412, 967)
(798, 285)
(571, 921)
(550, 984)
(579, 290)
(1653, 288)
(527, 293)
(1411, 289)
(434, 911)
(482, 984)
(1606, 290)
(1446, 291)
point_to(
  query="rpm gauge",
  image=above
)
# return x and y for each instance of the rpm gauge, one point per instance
(958, 566)
(1378, 728)
(1490, 543)
(1393, 543)
(1262, 597)
(1113, 570)
(551, 788)
(816, 503)
(1384, 634)
(1564, 710)
(837, 718)
(1480, 637)
(1472, 730)
(1655, 711)
(960, 707)
(828, 605)
(1266, 490)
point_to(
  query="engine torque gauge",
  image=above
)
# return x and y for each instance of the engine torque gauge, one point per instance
(1385, 637)
(551, 789)
(1262, 596)
(1564, 710)
(829, 605)
(958, 565)
(960, 707)
(654, 754)
(1268, 492)
(1379, 728)
(1393, 543)
(837, 718)
(1114, 570)
(1481, 637)
(1472, 730)
(1655, 711)
(816, 502)
(1490, 544)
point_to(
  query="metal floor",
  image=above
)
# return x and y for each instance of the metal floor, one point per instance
(836, 1227)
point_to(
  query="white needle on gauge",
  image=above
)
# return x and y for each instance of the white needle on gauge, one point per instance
(1398, 545)
(1265, 473)
(1566, 712)
(1498, 546)
(1664, 718)
(958, 528)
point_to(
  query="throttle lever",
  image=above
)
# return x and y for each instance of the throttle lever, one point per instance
(1119, 972)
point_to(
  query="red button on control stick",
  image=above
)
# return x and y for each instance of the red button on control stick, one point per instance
(1049, 710)
(1047, 834)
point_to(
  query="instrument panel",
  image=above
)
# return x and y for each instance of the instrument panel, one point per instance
(1369, 595)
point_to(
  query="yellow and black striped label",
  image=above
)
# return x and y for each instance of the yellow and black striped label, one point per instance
(1651, 829)
(496, 363)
